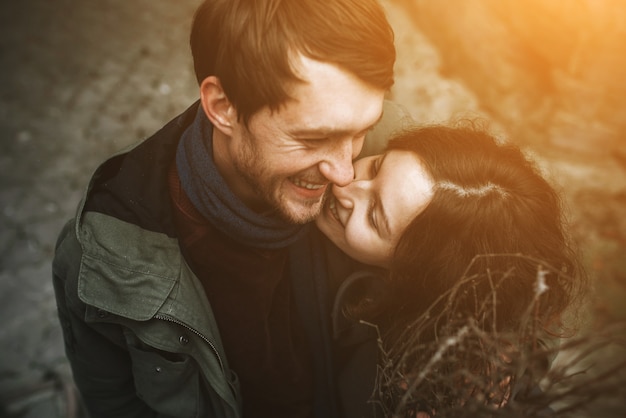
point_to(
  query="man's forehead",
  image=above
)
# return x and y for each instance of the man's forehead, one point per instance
(328, 100)
(321, 127)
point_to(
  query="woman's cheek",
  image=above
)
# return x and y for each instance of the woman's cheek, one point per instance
(360, 246)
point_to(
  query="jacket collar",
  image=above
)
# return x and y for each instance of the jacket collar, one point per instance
(130, 277)
(144, 274)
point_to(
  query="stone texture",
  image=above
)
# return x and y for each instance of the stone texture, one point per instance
(81, 80)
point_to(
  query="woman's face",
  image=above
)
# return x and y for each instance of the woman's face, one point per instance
(367, 217)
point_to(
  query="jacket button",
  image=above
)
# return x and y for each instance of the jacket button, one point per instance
(158, 369)
(101, 313)
(183, 340)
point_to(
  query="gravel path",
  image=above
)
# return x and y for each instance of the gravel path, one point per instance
(81, 80)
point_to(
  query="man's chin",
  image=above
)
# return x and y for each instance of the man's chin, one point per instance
(301, 213)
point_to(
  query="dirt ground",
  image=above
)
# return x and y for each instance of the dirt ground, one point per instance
(81, 80)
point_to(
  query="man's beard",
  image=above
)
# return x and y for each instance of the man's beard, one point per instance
(280, 207)
(311, 211)
(270, 202)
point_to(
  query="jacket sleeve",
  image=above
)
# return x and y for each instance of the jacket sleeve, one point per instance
(102, 369)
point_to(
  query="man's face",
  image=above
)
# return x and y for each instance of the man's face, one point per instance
(284, 160)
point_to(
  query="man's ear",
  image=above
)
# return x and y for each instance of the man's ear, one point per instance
(216, 105)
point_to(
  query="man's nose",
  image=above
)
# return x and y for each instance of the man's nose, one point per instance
(337, 166)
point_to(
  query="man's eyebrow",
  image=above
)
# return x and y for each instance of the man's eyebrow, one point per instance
(325, 131)
(321, 131)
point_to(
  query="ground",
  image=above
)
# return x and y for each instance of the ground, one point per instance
(81, 80)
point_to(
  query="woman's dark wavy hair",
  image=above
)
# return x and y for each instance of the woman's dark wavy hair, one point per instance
(249, 45)
(489, 199)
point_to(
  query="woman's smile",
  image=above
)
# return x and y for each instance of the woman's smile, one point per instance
(332, 205)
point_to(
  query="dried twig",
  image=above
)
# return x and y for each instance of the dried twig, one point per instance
(472, 369)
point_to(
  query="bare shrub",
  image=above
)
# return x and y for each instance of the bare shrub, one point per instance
(448, 364)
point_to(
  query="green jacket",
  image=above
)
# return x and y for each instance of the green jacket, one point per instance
(139, 332)
(135, 317)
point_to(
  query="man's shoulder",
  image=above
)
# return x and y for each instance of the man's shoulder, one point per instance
(133, 184)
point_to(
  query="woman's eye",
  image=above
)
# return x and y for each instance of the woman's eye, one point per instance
(374, 167)
(370, 215)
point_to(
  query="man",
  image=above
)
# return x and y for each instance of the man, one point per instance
(188, 285)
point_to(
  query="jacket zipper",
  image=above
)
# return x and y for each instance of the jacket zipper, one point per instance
(187, 327)
(205, 339)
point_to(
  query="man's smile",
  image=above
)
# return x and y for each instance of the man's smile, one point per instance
(305, 184)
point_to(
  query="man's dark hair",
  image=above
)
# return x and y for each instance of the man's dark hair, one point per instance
(250, 45)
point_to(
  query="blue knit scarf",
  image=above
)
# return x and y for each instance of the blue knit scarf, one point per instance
(209, 193)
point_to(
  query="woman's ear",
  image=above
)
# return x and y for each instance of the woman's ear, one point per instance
(216, 105)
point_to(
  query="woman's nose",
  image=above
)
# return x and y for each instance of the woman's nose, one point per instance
(352, 193)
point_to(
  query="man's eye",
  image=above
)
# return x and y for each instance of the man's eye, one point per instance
(312, 142)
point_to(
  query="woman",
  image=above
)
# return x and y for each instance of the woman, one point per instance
(464, 228)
